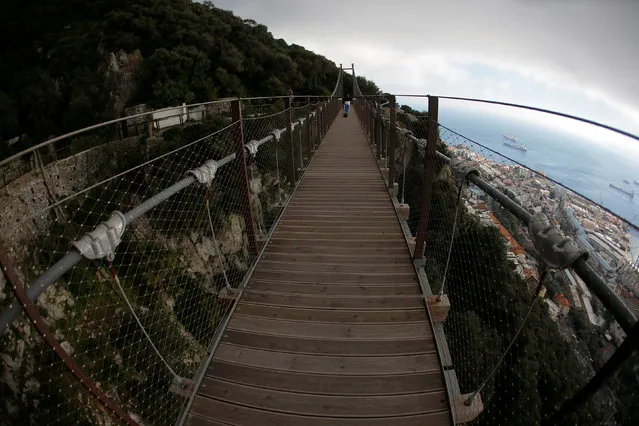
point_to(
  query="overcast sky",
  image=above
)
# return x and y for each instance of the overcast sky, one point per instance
(577, 56)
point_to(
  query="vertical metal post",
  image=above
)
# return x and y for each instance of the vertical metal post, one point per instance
(311, 124)
(325, 108)
(382, 134)
(332, 115)
(379, 133)
(364, 118)
(392, 143)
(309, 141)
(320, 118)
(384, 139)
(371, 122)
(429, 174)
(327, 114)
(289, 132)
(245, 193)
(318, 121)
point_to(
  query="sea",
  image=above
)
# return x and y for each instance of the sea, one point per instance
(584, 160)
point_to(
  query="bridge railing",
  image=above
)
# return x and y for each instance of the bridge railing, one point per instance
(142, 121)
(121, 265)
(503, 305)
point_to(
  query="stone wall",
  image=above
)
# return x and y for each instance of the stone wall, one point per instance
(24, 202)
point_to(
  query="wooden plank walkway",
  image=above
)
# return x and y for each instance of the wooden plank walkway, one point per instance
(332, 327)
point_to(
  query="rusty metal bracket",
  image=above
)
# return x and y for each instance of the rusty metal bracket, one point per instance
(43, 329)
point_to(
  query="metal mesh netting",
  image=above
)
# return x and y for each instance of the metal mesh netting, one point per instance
(409, 165)
(54, 396)
(522, 347)
(520, 338)
(105, 138)
(301, 137)
(269, 169)
(139, 326)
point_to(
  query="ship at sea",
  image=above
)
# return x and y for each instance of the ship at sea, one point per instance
(631, 194)
(514, 145)
(511, 138)
(626, 182)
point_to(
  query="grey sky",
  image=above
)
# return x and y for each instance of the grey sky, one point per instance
(577, 56)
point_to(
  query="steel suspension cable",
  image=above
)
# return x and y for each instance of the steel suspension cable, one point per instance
(452, 238)
(470, 399)
(114, 274)
(217, 248)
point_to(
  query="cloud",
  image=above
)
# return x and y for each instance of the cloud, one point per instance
(581, 55)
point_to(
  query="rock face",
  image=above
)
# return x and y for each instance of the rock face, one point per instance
(28, 197)
(205, 260)
(122, 68)
(54, 301)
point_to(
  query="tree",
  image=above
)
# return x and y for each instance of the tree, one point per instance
(189, 52)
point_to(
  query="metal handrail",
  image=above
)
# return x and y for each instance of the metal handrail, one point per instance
(521, 106)
(73, 257)
(142, 114)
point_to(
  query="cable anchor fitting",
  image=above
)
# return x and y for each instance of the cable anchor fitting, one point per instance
(205, 173)
(104, 239)
(556, 250)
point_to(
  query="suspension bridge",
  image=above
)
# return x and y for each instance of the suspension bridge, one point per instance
(267, 261)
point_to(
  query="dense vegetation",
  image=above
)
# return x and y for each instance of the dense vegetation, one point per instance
(70, 63)
(534, 380)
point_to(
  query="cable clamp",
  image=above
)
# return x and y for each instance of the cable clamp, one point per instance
(205, 173)
(277, 134)
(104, 239)
(556, 250)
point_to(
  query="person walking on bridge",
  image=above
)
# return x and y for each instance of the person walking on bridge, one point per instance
(347, 104)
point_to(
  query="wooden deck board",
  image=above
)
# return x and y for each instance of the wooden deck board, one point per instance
(328, 364)
(328, 346)
(341, 277)
(309, 329)
(238, 414)
(326, 384)
(334, 302)
(334, 315)
(332, 327)
(318, 405)
(335, 290)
